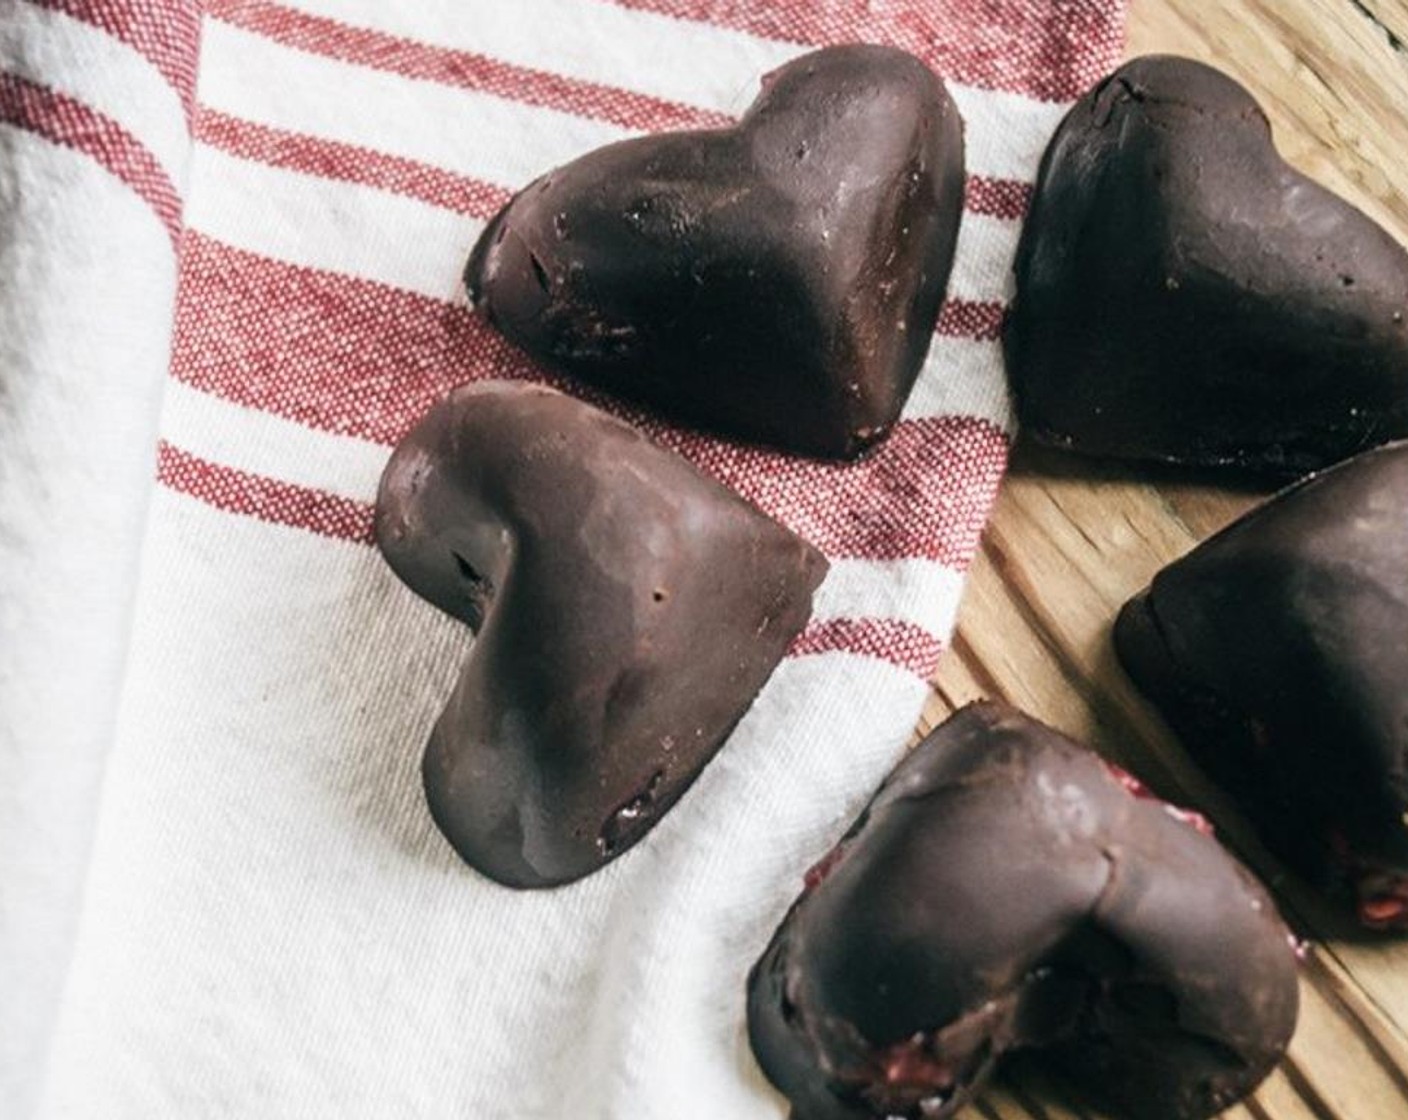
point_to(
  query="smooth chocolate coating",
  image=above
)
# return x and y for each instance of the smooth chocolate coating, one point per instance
(627, 611)
(1184, 295)
(1279, 650)
(778, 281)
(1003, 890)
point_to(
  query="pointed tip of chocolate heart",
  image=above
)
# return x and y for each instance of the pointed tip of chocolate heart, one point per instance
(627, 608)
(1277, 650)
(1002, 891)
(1184, 296)
(777, 282)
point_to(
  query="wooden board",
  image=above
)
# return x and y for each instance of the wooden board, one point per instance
(1071, 541)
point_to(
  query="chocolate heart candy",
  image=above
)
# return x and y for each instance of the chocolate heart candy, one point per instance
(627, 611)
(1279, 650)
(1004, 890)
(778, 281)
(1184, 295)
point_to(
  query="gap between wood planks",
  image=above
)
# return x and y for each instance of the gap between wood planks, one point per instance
(1373, 17)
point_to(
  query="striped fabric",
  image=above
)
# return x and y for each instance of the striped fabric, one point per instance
(220, 894)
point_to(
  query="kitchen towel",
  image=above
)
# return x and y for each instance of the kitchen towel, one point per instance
(232, 234)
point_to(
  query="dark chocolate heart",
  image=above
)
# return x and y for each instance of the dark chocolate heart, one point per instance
(778, 281)
(1004, 890)
(1279, 650)
(1184, 295)
(627, 611)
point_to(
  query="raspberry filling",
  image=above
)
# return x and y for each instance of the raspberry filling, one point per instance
(817, 872)
(904, 1079)
(1381, 891)
(1135, 787)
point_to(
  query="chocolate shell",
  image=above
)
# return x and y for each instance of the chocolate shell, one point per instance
(1278, 649)
(1005, 891)
(627, 611)
(777, 281)
(1184, 295)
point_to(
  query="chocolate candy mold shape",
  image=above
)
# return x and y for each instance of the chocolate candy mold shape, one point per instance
(778, 281)
(1004, 891)
(627, 611)
(1278, 649)
(1184, 295)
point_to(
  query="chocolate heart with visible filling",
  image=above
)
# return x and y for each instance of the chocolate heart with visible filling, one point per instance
(1184, 295)
(627, 611)
(778, 281)
(1005, 890)
(1278, 649)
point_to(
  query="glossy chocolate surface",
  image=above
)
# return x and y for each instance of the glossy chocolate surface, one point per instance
(778, 281)
(1279, 650)
(1184, 295)
(1003, 890)
(627, 611)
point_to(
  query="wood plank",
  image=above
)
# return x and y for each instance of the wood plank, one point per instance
(1391, 19)
(1070, 541)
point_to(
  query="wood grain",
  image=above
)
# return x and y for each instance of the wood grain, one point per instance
(1070, 541)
